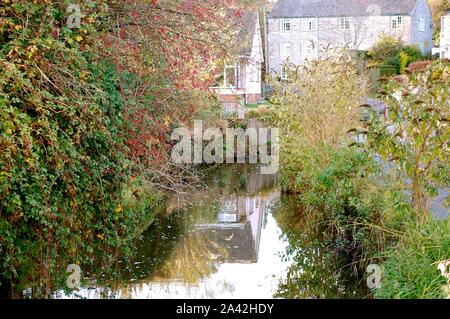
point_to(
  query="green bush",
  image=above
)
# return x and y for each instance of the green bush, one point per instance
(388, 70)
(353, 201)
(390, 51)
(63, 164)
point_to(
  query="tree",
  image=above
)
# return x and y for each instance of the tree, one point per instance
(85, 108)
(318, 106)
(415, 135)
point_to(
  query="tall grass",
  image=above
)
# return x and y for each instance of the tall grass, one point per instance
(410, 268)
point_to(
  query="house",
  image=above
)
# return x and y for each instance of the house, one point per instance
(301, 30)
(444, 44)
(236, 234)
(242, 75)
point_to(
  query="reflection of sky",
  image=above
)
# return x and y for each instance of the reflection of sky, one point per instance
(232, 280)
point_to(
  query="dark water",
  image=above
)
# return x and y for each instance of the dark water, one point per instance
(238, 238)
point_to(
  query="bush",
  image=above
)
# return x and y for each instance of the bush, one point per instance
(318, 106)
(388, 70)
(391, 51)
(415, 135)
(64, 161)
(386, 48)
(354, 202)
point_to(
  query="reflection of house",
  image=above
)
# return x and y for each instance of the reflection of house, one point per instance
(299, 30)
(236, 235)
(242, 77)
(444, 46)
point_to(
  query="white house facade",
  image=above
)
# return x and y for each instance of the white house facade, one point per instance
(242, 80)
(301, 30)
(444, 44)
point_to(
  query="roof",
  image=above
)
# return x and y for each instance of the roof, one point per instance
(232, 242)
(337, 8)
(244, 38)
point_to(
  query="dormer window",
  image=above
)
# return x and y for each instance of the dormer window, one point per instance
(397, 23)
(286, 24)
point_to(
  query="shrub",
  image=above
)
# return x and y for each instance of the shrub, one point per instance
(318, 106)
(354, 202)
(391, 51)
(415, 135)
(386, 48)
(418, 67)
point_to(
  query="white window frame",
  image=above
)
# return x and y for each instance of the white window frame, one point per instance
(286, 49)
(255, 75)
(225, 80)
(345, 23)
(283, 73)
(397, 23)
(421, 24)
(309, 49)
(284, 23)
(311, 24)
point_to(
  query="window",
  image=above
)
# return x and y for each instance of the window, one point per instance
(308, 49)
(421, 24)
(283, 73)
(255, 74)
(345, 23)
(286, 24)
(230, 78)
(286, 50)
(309, 24)
(397, 23)
(443, 25)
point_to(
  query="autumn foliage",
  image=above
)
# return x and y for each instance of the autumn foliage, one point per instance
(83, 112)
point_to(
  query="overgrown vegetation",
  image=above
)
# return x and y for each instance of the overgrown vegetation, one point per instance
(410, 268)
(391, 52)
(85, 115)
(368, 186)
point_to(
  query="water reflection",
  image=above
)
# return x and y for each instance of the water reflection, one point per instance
(224, 245)
(316, 271)
(236, 239)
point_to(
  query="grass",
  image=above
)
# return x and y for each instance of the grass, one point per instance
(410, 268)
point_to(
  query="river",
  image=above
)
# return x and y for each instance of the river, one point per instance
(237, 238)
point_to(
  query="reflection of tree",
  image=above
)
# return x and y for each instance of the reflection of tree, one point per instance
(174, 248)
(316, 272)
(191, 259)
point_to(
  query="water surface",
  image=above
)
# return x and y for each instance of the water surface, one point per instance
(234, 239)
